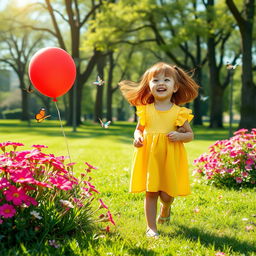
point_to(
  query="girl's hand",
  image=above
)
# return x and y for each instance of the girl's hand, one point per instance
(181, 129)
(138, 140)
(174, 136)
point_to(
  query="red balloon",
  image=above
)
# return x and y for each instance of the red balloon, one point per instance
(52, 71)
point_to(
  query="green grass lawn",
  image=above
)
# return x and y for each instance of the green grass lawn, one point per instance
(218, 226)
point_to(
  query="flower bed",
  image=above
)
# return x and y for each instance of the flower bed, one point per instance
(230, 163)
(41, 199)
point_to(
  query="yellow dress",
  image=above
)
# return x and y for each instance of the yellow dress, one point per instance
(161, 165)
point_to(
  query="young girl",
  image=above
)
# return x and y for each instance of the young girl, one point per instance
(160, 165)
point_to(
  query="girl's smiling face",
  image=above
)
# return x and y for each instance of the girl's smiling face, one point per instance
(162, 87)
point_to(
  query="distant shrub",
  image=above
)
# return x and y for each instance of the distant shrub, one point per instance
(41, 200)
(230, 163)
(12, 114)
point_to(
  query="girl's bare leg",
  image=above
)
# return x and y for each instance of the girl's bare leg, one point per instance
(150, 207)
(166, 201)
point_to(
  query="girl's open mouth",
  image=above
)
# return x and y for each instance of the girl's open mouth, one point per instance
(161, 90)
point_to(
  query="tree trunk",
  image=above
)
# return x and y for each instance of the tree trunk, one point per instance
(197, 103)
(98, 108)
(24, 104)
(216, 106)
(24, 97)
(80, 80)
(245, 21)
(109, 87)
(248, 97)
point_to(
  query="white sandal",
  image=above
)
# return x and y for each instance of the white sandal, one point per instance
(151, 233)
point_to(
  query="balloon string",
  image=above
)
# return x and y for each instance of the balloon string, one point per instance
(63, 131)
(55, 101)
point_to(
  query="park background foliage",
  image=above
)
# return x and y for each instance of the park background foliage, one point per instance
(119, 40)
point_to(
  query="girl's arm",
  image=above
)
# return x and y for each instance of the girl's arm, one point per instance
(186, 136)
(138, 135)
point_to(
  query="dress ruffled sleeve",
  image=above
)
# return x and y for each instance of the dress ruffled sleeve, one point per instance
(184, 115)
(141, 113)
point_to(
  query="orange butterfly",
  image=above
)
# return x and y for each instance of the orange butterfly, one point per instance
(41, 115)
(29, 89)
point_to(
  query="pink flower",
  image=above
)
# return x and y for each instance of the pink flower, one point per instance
(43, 184)
(233, 153)
(102, 205)
(239, 180)
(58, 166)
(78, 202)
(39, 146)
(106, 229)
(91, 187)
(30, 200)
(248, 167)
(4, 183)
(16, 144)
(90, 167)
(197, 210)
(16, 195)
(249, 228)
(220, 254)
(102, 216)
(53, 243)
(70, 164)
(61, 182)
(236, 161)
(2, 146)
(27, 187)
(110, 218)
(86, 193)
(22, 176)
(245, 174)
(7, 211)
(9, 143)
(249, 161)
(240, 132)
(249, 145)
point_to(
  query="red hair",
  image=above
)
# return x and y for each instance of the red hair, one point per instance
(139, 93)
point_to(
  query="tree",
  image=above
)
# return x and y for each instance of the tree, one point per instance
(16, 52)
(165, 25)
(245, 22)
(217, 35)
(76, 15)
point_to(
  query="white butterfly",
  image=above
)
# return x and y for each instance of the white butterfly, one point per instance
(204, 98)
(99, 81)
(104, 124)
(230, 66)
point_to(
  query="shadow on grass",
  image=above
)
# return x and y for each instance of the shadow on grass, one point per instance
(209, 239)
(123, 131)
(141, 251)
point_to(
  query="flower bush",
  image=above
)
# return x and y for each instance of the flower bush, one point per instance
(230, 163)
(41, 199)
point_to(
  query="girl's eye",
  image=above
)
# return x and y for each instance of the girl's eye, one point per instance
(167, 80)
(155, 80)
